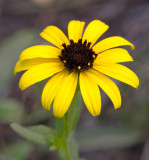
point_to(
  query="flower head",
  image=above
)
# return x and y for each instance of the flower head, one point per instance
(77, 59)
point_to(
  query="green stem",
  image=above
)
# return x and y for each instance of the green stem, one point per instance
(70, 116)
(65, 125)
(67, 153)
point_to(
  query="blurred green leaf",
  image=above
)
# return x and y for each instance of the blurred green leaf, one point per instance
(10, 50)
(10, 109)
(107, 137)
(44, 130)
(4, 157)
(73, 148)
(37, 116)
(37, 134)
(19, 150)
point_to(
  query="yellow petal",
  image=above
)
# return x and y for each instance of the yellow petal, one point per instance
(40, 51)
(115, 55)
(65, 94)
(29, 63)
(75, 29)
(94, 30)
(90, 93)
(39, 73)
(51, 88)
(111, 42)
(120, 73)
(107, 85)
(55, 36)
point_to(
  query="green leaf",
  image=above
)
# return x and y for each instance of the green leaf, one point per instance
(37, 134)
(10, 109)
(18, 150)
(4, 157)
(107, 137)
(44, 130)
(10, 50)
(37, 116)
(73, 148)
(61, 153)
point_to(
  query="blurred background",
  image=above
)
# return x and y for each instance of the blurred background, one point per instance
(114, 135)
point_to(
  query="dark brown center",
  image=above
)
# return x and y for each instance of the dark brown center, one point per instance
(77, 56)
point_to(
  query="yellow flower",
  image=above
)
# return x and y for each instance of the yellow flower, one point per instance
(77, 60)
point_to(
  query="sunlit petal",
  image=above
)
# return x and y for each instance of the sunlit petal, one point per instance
(55, 36)
(94, 30)
(65, 94)
(90, 93)
(120, 73)
(39, 73)
(51, 88)
(115, 55)
(40, 51)
(75, 29)
(107, 85)
(29, 63)
(111, 42)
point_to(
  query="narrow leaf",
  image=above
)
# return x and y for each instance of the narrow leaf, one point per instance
(33, 134)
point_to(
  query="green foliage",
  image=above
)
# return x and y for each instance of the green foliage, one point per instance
(10, 110)
(41, 129)
(58, 139)
(104, 137)
(74, 150)
(37, 134)
(10, 50)
(67, 147)
(37, 116)
(18, 150)
(60, 133)
(4, 157)
(73, 114)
